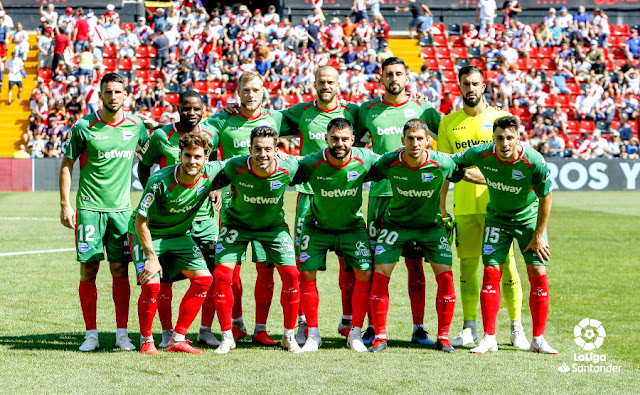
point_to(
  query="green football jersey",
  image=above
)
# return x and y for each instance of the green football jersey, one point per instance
(172, 206)
(416, 190)
(385, 122)
(256, 202)
(513, 187)
(106, 154)
(337, 191)
(234, 130)
(311, 124)
(163, 149)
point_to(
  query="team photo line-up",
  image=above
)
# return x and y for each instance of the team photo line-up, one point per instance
(197, 214)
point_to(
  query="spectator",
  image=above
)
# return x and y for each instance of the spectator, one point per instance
(511, 9)
(615, 146)
(631, 150)
(625, 130)
(359, 9)
(370, 67)
(143, 32)
(68, 20)
(348, 28)
(581, 16)
(598, 145)
(385, 53)
(600, 27)
(80, 36)
(15, 66)
(364, 32)
(565, 20)
(556, 144)
(20, 39)
(21, 153)
(45, 49)
(582, 147)
(91, 95)
(49, 14)
(421, 17)
(486, 12)
(111, 16)
(277, 102)
(86, 65)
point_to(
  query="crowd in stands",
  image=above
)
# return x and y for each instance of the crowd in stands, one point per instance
(573, 78)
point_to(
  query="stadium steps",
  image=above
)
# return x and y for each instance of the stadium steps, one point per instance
(15, 119)
(404, 47)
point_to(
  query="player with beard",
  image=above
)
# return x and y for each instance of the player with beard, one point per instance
(380, 117)
(234, 130)
(519, 206)
(413, 217)
(469, 126)
(335, 223)
(163, 149)
(105, 142)
(310, 120)
(255, 214)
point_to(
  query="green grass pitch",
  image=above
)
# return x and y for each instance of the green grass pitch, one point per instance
(594, 273)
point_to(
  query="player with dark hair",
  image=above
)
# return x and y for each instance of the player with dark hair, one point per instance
(380, 117)
(234, 130)
(162, 245)
(519, 207)
(255, 214)
(105, 142)
(335, 222)
(413, 217)
(163, 149)
(469, 126)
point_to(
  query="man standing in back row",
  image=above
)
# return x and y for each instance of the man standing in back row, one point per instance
(105, 142)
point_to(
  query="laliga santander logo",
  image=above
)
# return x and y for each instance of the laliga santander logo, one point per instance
(589, 334)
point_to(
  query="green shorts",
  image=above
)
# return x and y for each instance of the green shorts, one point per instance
(353, 246)
(303, 207)
(377, 208)
(277, 244)
(175, 255)
(97, 231)
(433, 243)
(205, 233)
(257, 251)
(498, 239)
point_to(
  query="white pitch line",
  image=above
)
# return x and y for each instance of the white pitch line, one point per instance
(28, 219)
(36, 252)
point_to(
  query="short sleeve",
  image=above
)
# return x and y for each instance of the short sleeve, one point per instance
(77, 142)
(464, 158)
(152, 150)
(542, 184)
(150, 197)
(444, 145)
(361, 124)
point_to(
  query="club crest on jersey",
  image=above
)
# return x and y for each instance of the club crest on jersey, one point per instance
(379, 250)
(147, 200)
(304, 256)
(275, 185)
(127, 135)
(200, 190)
(83, 247)
(219, 248)
(426, 177)
(517, 175)
(409, 113)
(488, 250)
(487, 126)
(352, 175)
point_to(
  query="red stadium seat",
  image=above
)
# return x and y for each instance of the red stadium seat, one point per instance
(457, 41)
(622, 30)
(574, 88)
(371, 86)
(142, 52)
(429, 52)
(307, 97)
(109, 64)
(453, 88)
(152, 52)
(432, 64)
(202, 87)
(443, 52)
(563, 101)
(355, 98)
(550, 102)
(45, 74)
(157, 112)
(125, 64)
(614, 125)
(613, 41)
(588, 126)
(522, 63)
(173, 98)
(545, 52)
(110, 51)
(535, 63)
(548, 64)
(440, 41)
(460, 53)
(492, 74)
(272, 87)
(144, 74)
(446, 64)
(143, 64)
(573, 126)
(440, 27)
(478, 63)
(449, 76)
(291, 99)
(618, 53)
(215, 84)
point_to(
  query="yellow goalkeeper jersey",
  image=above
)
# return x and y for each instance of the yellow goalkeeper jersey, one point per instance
(459, 131)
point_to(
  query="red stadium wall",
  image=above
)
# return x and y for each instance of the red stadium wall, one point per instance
(16, 175)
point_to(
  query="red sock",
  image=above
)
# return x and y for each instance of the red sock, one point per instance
(223, 296)
(490, 299)
(539, 303)
(347, 281)
(147, 307)
(379, 301)
(445, 302)
(263, 292)
(290, 295)
(192, 302)
(164, 305)
(310, 300)
(416, 287)
(208, 308)
(361, 295)
(236, 287)
(89, 303)
(300, 309)
(121, 293)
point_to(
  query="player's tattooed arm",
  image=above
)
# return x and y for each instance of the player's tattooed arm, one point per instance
(152, 264)
(538, 243)
(67, 214)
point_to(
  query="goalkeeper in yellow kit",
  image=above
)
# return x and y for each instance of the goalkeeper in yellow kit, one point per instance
(469, 126)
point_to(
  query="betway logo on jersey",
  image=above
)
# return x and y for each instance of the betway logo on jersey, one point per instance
(390, 130)
(242, 144)
(339, 192)
(503, 187)
(317, 136)
(261, 200)
(469, 143)
(414, 193)
(115, 154)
